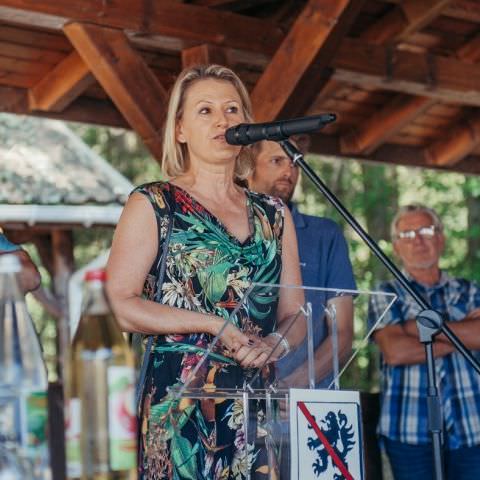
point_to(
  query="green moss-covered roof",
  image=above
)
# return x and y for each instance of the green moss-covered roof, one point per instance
(43, 162)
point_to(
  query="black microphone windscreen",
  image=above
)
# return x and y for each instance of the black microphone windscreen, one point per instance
(245, 133)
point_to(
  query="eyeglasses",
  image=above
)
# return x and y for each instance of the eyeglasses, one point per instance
(424, 232)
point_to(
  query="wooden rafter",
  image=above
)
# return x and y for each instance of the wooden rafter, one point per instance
(381, 126)
(470, 52)
(400, 112)
(62, 85)
(459, 9)
(84, 109)
(285, 86)
(203, 54)
(390, 154)
(421, 14)
(125, 77)
(459, 143)
(408, 17)
(442, 78)
(462, 139)
(166, 17)
(394, 25)
(231, 4)
(464, 10)
(402, 21)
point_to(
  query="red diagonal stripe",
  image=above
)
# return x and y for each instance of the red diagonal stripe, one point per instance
(336, 459)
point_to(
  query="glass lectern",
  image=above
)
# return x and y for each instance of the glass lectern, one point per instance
(312, 348)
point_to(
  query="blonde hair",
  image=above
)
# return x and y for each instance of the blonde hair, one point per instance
(175, 154)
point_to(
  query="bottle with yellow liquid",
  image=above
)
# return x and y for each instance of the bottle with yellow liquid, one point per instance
(101, 428)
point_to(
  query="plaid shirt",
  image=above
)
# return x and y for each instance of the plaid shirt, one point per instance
(404, 405)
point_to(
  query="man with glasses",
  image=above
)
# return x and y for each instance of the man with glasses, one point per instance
(418, 241)
(324, 263)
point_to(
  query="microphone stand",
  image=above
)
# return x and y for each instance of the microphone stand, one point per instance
(429, 322)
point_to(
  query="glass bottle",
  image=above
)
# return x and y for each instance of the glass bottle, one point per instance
(101, 426)
(11, 465)
(23, 379)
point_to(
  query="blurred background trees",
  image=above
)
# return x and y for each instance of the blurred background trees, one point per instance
(371, 192)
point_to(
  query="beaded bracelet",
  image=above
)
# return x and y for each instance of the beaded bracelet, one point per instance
(283, 342)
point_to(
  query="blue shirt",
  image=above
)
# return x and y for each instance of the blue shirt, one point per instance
(6, 245)
(404, 397)
(324, 263)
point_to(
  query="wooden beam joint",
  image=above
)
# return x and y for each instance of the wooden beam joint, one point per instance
(62, 85)
(125, 77)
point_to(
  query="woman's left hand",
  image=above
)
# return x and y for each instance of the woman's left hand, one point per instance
(258, 352)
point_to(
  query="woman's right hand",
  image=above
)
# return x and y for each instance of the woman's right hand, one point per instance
(248, 352)
(232, 337)
(253, 355)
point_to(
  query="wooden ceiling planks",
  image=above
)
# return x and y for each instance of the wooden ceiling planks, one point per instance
(403, 78)
(168, 17)
(395, 25)
(33, 37)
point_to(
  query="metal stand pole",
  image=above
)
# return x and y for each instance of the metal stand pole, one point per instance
(427, 316)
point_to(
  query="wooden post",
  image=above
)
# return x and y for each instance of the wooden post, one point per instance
(62, 265)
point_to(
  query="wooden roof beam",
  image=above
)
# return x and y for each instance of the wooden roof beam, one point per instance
(84, 109)
(403, 20)
(470, 51)
(379, 127)
(62, 85)
(231, 4)
(460, 9)
(460, 142)
(400, 22)
(446, 79)
(420, 14)
(203, 55)
(285, 87)
(402, 110)
(125, 77)
(166, 17)
(389, 154)
(395, 25)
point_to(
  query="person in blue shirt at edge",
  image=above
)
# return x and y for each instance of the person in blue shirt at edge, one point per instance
(29, 275)
(418, 240)
(324, 263)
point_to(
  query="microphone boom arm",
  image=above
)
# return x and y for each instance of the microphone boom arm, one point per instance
(429, 322)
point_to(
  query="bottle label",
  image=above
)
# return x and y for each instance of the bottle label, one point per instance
(36, 406)
(9, 431)
(72, 437)
(37, 417)
(23, 422)
(122, 422)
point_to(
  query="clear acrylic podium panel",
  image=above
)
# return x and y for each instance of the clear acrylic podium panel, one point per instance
(313, 321)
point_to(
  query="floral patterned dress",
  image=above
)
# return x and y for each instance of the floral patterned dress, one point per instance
(207, 270)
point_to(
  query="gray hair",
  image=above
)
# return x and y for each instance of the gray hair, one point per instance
(417, 208)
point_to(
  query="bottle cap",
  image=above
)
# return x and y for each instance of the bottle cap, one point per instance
(96, 274)
(9, 263)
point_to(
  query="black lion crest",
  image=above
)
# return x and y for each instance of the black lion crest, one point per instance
(339, 435)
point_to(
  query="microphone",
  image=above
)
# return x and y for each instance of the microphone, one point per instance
(247, 133)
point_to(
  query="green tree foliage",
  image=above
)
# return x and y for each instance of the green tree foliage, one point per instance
(371, 192)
